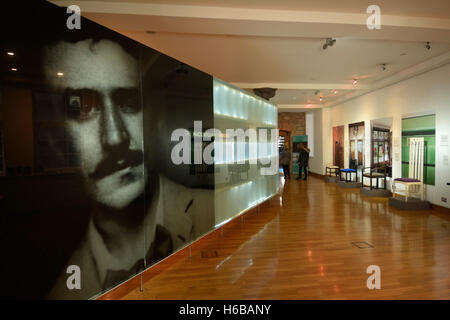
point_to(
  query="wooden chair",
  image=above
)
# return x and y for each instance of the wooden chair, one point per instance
(415, 177)
(374, 173)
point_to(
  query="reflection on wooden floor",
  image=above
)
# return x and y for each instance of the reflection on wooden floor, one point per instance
(299, 246)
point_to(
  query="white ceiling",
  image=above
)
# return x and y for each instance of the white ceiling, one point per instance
(245, 59)
(279, 43)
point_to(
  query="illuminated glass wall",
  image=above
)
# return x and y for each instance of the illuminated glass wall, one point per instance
(239, 183)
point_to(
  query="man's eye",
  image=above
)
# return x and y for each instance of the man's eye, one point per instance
(82, 104)
(88, 110)
(89, 104)
(83, 112)
(127, 100)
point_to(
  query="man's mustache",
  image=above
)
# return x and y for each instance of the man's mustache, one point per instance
(113, 163)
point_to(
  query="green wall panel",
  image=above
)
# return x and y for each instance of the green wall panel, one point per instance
(425, 127)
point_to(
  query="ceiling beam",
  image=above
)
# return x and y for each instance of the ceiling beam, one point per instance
(213, 12)
(258, 22)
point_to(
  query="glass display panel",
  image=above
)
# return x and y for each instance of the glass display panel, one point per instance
(239, 183)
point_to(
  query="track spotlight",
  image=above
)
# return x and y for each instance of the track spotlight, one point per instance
(320, 99)
(427, 45)
(335, 92)
(355, 81)
(383, 67)
(316, 92)
(329, 42)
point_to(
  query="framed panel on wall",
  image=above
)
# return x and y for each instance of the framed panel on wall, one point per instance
(338, 146)
(381, 141)
(422, 126)
(356, 136)
(381, 153)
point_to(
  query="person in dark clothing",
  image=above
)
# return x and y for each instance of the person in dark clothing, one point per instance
(303, 160)
(285, 161)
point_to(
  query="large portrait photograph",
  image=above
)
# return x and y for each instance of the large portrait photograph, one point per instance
(91, 189)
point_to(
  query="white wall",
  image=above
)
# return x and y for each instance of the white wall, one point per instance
(428, 93)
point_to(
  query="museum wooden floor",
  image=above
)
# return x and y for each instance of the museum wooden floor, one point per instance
(299, 246)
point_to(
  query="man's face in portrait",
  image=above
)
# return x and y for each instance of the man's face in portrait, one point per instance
(105, 122)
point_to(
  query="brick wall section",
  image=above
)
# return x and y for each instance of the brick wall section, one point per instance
(293, 122)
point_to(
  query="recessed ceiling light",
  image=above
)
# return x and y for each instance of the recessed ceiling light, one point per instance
(10, 53)
(59, 74)
(13, 69)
